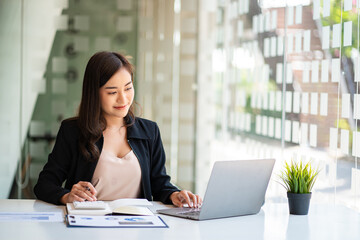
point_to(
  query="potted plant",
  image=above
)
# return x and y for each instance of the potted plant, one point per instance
(298, 179)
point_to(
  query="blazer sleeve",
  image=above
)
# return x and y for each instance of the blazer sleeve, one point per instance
(160, 181)
(49, 186)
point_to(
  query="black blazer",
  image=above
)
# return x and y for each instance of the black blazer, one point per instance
(66, 162)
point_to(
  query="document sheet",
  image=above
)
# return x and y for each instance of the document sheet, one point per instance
(32, 216)
(115, 221)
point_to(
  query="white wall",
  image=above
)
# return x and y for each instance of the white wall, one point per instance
(18, 92)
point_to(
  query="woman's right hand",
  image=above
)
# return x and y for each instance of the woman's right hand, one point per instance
(82, 191)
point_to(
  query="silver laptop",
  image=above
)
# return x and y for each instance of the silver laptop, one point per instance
(235, 188)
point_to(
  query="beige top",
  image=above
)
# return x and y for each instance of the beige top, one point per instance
(116, 178)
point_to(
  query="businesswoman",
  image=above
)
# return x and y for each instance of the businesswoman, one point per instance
(106, 153)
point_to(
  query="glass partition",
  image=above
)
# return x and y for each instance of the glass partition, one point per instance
(287, 87)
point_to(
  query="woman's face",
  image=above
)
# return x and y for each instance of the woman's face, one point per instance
(117, 95)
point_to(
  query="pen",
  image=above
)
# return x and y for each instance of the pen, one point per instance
(88, 189)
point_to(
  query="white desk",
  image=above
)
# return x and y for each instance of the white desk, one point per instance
(273, 222)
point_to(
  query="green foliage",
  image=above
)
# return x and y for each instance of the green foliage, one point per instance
(298, 177)
(339, 16)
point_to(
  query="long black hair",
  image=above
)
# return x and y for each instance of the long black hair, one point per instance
(100, 68)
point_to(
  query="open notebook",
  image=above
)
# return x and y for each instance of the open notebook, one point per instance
(125, 206)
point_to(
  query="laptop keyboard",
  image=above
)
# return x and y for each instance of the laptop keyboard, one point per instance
(191, 212)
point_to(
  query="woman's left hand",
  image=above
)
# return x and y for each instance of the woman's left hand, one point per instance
(184, 196)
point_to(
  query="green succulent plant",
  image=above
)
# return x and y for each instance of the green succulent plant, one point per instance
(298, 177)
